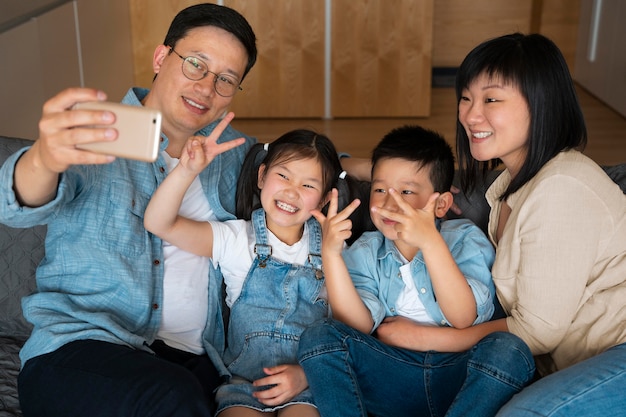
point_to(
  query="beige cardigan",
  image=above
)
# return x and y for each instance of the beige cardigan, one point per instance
(560, 268)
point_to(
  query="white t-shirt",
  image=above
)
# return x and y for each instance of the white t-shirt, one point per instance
(409, 304)
(233, 251)
(185, 284)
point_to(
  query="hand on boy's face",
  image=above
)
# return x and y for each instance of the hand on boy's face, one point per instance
(402, 221)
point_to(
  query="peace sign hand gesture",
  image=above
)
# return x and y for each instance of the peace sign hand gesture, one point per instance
(336, 227)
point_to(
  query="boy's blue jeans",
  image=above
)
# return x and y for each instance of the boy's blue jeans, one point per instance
(354, 374)
(591, 388)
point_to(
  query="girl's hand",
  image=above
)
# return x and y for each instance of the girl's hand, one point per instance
(286, 382)
(201, 150)
(336, 227)
(415, 227)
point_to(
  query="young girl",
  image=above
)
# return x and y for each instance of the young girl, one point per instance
(270, 262)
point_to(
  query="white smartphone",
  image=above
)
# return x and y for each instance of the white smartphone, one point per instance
(138, 128)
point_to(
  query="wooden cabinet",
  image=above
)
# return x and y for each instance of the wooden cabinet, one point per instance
(77, 43)
(320, 58)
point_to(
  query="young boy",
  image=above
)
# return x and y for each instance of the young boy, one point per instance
(415, 269)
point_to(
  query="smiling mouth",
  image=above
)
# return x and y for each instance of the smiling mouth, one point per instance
(194, 104)
(286, 207)
(481, 135)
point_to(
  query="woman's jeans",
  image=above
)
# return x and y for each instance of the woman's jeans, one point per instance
(592, 388)
(354, 374)
(93, 378)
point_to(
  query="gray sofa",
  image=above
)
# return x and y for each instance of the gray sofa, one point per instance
(22, 249)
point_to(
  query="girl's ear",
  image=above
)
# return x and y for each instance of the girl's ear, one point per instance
(325, 199)
(443, 204)
(261, 176)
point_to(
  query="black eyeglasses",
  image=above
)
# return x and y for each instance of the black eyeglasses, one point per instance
(196, 69)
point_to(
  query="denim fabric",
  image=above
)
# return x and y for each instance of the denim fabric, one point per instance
(591, 388)
(277, 302)
(374, 264)
(102, 274)
(371, 378)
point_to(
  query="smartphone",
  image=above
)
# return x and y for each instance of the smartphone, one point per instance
(138, 128)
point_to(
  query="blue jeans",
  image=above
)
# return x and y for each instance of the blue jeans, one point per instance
(93, 378)
(354, 374)
(594, 387)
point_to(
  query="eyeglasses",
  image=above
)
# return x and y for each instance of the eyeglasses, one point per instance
(196, 69)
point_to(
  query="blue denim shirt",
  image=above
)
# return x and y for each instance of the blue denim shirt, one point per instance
(374, 264)
(102, 274)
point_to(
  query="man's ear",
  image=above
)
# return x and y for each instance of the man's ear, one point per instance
(443, 204)
(261, 176)
(160, 53)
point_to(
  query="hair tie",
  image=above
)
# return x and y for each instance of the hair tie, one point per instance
(266, 147)
(343, 175)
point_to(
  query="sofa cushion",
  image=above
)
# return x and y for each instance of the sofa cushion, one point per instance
(20, 253)
(9, 369)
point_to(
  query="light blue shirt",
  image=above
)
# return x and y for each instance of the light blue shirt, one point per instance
(102, 274)
(374, 264)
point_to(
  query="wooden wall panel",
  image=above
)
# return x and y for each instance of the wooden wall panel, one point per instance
(460, 25)
(288, 78)
(149, 23)
(559, 22)
(381, 58)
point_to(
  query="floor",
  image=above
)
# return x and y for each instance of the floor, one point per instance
(606, 128)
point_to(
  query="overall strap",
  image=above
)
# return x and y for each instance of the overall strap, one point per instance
(262, 250)
(315, 247)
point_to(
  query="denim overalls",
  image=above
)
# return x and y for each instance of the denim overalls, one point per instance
(278, 301)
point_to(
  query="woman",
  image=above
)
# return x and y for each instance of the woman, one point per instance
(558, 223)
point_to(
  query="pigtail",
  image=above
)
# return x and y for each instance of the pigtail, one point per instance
(248, 193)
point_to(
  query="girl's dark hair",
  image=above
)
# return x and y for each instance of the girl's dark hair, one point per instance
(208, 14)
(293, 145)
(423, 146)
(535, 65)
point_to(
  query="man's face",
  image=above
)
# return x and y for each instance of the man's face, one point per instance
(189, 105)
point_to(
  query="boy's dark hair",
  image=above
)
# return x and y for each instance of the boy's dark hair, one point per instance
(535, 65)
(293, 145)
(426, 147)
(208, 14)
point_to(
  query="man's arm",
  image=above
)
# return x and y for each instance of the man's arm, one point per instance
(37, 172)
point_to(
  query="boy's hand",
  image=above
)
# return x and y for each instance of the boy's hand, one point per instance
(200, 150)
(414, 226)
(285, 381)
(336, 227)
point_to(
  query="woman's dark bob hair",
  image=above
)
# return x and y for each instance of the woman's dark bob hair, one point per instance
(535, 65)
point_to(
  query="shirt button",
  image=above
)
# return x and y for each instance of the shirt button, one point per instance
(162, 169)
(155, 306)
(393, 310)
(157, 262)
(443, 322)
(423, 290)
(132, 203)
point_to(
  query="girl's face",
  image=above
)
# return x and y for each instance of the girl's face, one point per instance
(289, 191)
(496, 119)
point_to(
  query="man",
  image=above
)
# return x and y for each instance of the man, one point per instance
(125, 324)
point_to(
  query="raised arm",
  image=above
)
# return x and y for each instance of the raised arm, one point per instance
(161, 216)
(60, 129)
(344, 300)
(416, 228)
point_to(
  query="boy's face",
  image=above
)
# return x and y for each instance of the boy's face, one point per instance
(408, 179)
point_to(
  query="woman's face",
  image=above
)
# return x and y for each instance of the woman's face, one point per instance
(496, 119)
